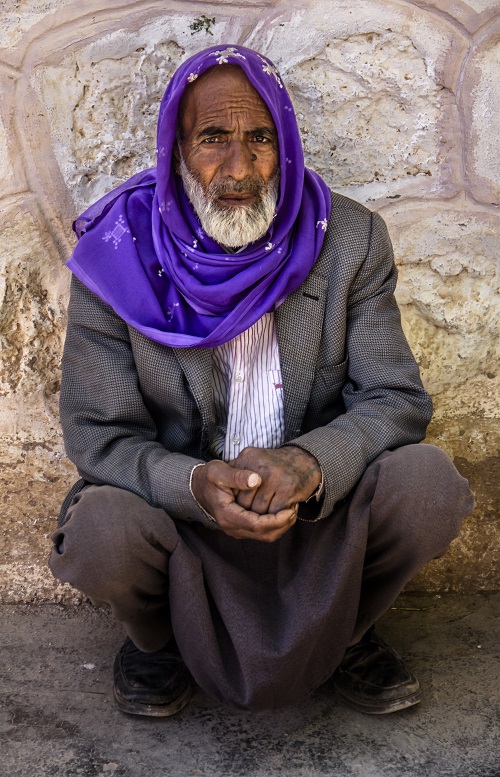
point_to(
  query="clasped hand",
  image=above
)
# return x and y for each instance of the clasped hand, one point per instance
(256, 496)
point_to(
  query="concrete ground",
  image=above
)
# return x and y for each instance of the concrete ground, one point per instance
(57, 716)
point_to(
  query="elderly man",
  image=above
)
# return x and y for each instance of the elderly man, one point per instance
(243, 409)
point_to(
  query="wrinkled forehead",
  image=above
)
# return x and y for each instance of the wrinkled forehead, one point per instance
(218, 89)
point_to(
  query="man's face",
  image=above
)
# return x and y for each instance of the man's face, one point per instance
(229, 156)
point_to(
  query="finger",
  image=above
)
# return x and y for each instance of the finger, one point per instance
(262, 501)
(269, 523)
(243, 524)
(286, 517)
(240, 523)
(282, 501)
(228, 477)
(281, 524)
(245, 498)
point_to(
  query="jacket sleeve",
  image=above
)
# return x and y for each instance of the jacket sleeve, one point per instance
(108, 431)
(385, 403)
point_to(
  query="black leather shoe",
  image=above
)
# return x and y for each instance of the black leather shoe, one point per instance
(372, 678)
(156, 684)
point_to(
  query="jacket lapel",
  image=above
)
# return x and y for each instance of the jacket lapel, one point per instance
(299, 323)
(196, 364)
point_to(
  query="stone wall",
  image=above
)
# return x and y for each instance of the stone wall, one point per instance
(399, 107)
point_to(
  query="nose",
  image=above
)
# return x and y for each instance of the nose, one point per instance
(238, 160)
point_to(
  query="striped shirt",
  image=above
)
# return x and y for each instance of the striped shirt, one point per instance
(248, 392)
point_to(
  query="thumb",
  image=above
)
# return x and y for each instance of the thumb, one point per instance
(243, 479)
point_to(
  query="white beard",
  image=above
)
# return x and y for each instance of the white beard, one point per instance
(232, 226)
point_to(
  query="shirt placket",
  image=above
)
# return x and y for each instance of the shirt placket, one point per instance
(235, 437)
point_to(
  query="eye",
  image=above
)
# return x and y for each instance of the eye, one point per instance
(261, 138)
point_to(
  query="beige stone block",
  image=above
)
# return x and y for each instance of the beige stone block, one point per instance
(368, 90)
(6, 169)
(12, 177)
(479, 6)
(294, 35)
(21, 16)
(33, 480)
(33, 294)
(106, 130)
(481, 107)
(448, 291)
(471, 13)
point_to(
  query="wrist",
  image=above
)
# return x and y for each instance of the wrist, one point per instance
(194, 489)
(316, 474)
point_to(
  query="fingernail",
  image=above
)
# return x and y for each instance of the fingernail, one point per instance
(253, 480)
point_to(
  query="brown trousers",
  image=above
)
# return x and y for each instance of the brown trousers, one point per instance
(260, 625)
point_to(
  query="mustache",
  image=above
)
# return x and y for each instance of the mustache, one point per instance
(248, 185)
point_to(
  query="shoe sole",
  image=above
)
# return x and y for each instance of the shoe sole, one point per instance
(153, 710)
(380, 709)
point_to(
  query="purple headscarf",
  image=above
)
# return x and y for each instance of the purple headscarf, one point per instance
(142, 250)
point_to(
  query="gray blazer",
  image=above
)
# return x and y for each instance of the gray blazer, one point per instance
(139, 415)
